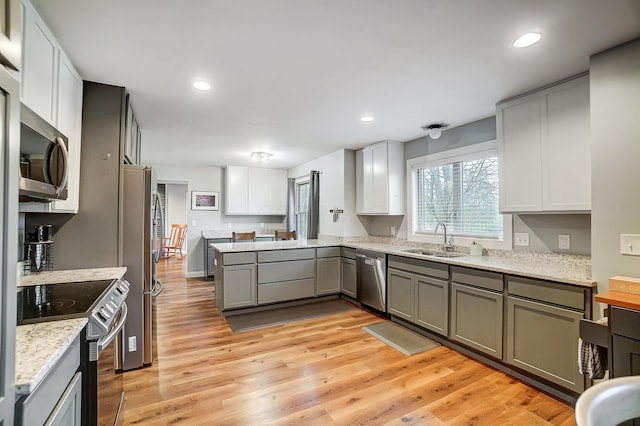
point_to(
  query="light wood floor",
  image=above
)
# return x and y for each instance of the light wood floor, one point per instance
(323, 371)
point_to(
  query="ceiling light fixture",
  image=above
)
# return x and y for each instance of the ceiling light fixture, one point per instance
(261, 157)
(435, 129)
(527, 40)
(367, 118)
(202, 85)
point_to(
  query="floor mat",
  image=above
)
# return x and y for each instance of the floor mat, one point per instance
(400, 338)
(262, 319)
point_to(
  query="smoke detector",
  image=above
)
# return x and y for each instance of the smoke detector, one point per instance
(435, 129)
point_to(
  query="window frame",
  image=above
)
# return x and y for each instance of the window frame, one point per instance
(305, 180)
(470, 152)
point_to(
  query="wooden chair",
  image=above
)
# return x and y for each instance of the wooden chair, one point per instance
(284, 235)
(172, 245)
(243, 236)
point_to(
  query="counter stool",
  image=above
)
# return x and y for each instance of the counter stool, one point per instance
(243, 236)
(610, 402)
(284, 235)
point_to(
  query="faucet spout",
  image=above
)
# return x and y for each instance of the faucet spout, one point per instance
(445, 246)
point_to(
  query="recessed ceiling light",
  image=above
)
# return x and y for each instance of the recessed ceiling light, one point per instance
(367, 118)
(527, 40)
(202, 85)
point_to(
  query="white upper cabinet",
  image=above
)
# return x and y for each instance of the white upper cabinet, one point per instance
(380, 179)
(543, 141)
(52, 88)
(39, 58)
(255, 191)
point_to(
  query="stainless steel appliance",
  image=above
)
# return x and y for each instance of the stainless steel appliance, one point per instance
(371, 281)
(103, 303)
(140, 252)
(44, 159)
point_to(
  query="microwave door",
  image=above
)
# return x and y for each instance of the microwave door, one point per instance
(56, 165)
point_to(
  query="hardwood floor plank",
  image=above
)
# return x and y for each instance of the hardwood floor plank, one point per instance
(322, 371)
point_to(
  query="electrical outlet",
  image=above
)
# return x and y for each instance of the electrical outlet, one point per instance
(132, 344)
(229, 225)
(261, 225)
(564, 242)
(393, 231)
(521, 239)
(193, 222)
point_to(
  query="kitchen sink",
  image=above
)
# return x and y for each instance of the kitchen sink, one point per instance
(434, 253)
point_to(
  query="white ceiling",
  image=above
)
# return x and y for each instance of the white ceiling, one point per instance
(293, 77)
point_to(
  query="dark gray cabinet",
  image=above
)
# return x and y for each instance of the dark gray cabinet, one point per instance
(286, 275)
(327, 271)
(477, 310)
(210, 255)
(418, 292)
(348, 272)
(625, 330)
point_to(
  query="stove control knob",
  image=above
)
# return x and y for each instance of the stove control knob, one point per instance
(106, 313)
(112, 306)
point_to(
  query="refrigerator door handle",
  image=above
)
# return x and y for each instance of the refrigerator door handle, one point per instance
(156, 290)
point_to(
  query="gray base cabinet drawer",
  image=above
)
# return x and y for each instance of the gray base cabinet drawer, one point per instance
(238, 258)
(546, 291)
(328, 252)
(625, 322)
(284, 255)
(348, 252)
(476, 319)
(422, 267)
(543, 340)
(285, 271)
(287, 290)
(432, 312)
(239, 286)
(327, 276)
(475, 277)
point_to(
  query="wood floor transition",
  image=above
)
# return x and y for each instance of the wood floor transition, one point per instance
(323, 371)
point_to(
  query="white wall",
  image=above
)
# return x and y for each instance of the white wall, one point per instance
(337, 190)
(176, 207)
(615, 153)
(208, 179)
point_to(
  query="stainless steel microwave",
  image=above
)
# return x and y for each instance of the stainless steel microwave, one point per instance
(44, 159)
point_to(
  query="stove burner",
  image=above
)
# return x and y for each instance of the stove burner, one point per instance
(61, 304)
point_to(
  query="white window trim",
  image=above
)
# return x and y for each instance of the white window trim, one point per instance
(440, 158)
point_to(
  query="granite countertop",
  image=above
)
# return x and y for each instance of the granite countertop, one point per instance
(38, 348)
(568, 269)
(72, 275)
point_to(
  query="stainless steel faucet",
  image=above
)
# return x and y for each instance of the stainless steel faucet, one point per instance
(446, 247)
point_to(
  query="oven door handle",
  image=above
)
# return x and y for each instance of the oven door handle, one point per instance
(106, 340)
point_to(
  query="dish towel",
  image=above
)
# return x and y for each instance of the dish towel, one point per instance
(592, 359)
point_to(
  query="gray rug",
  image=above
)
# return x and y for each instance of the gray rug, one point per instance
(262, 319)
(400, 338)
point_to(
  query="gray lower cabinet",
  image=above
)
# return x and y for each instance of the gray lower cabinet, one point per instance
(327, 271)
(236, 285)
(57, 400)
(477, 309)
(348, 276)
(543, 327)
(542, 339)
(401, 293)
(210, 255)
(417, 297)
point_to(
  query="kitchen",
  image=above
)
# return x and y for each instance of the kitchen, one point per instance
(612, 212)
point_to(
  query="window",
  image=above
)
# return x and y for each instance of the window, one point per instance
(302, 209)
(460, 189)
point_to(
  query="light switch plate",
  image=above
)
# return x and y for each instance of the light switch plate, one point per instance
(521, 239)
(564, 242)
(630, 244)
(193, 222)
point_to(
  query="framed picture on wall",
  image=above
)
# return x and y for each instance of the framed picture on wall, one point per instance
(205, 200)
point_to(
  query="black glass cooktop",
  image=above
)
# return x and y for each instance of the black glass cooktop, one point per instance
(59, 301)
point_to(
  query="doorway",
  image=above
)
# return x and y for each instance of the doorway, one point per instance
(173, 198)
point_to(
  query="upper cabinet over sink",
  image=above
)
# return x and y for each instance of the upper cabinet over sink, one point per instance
(380, 179)
(52, 88)
(544, 148)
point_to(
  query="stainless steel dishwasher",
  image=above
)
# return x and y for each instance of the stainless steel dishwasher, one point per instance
(371, 279)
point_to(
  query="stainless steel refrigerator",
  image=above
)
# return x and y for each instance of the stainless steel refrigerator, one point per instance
(140, 252)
